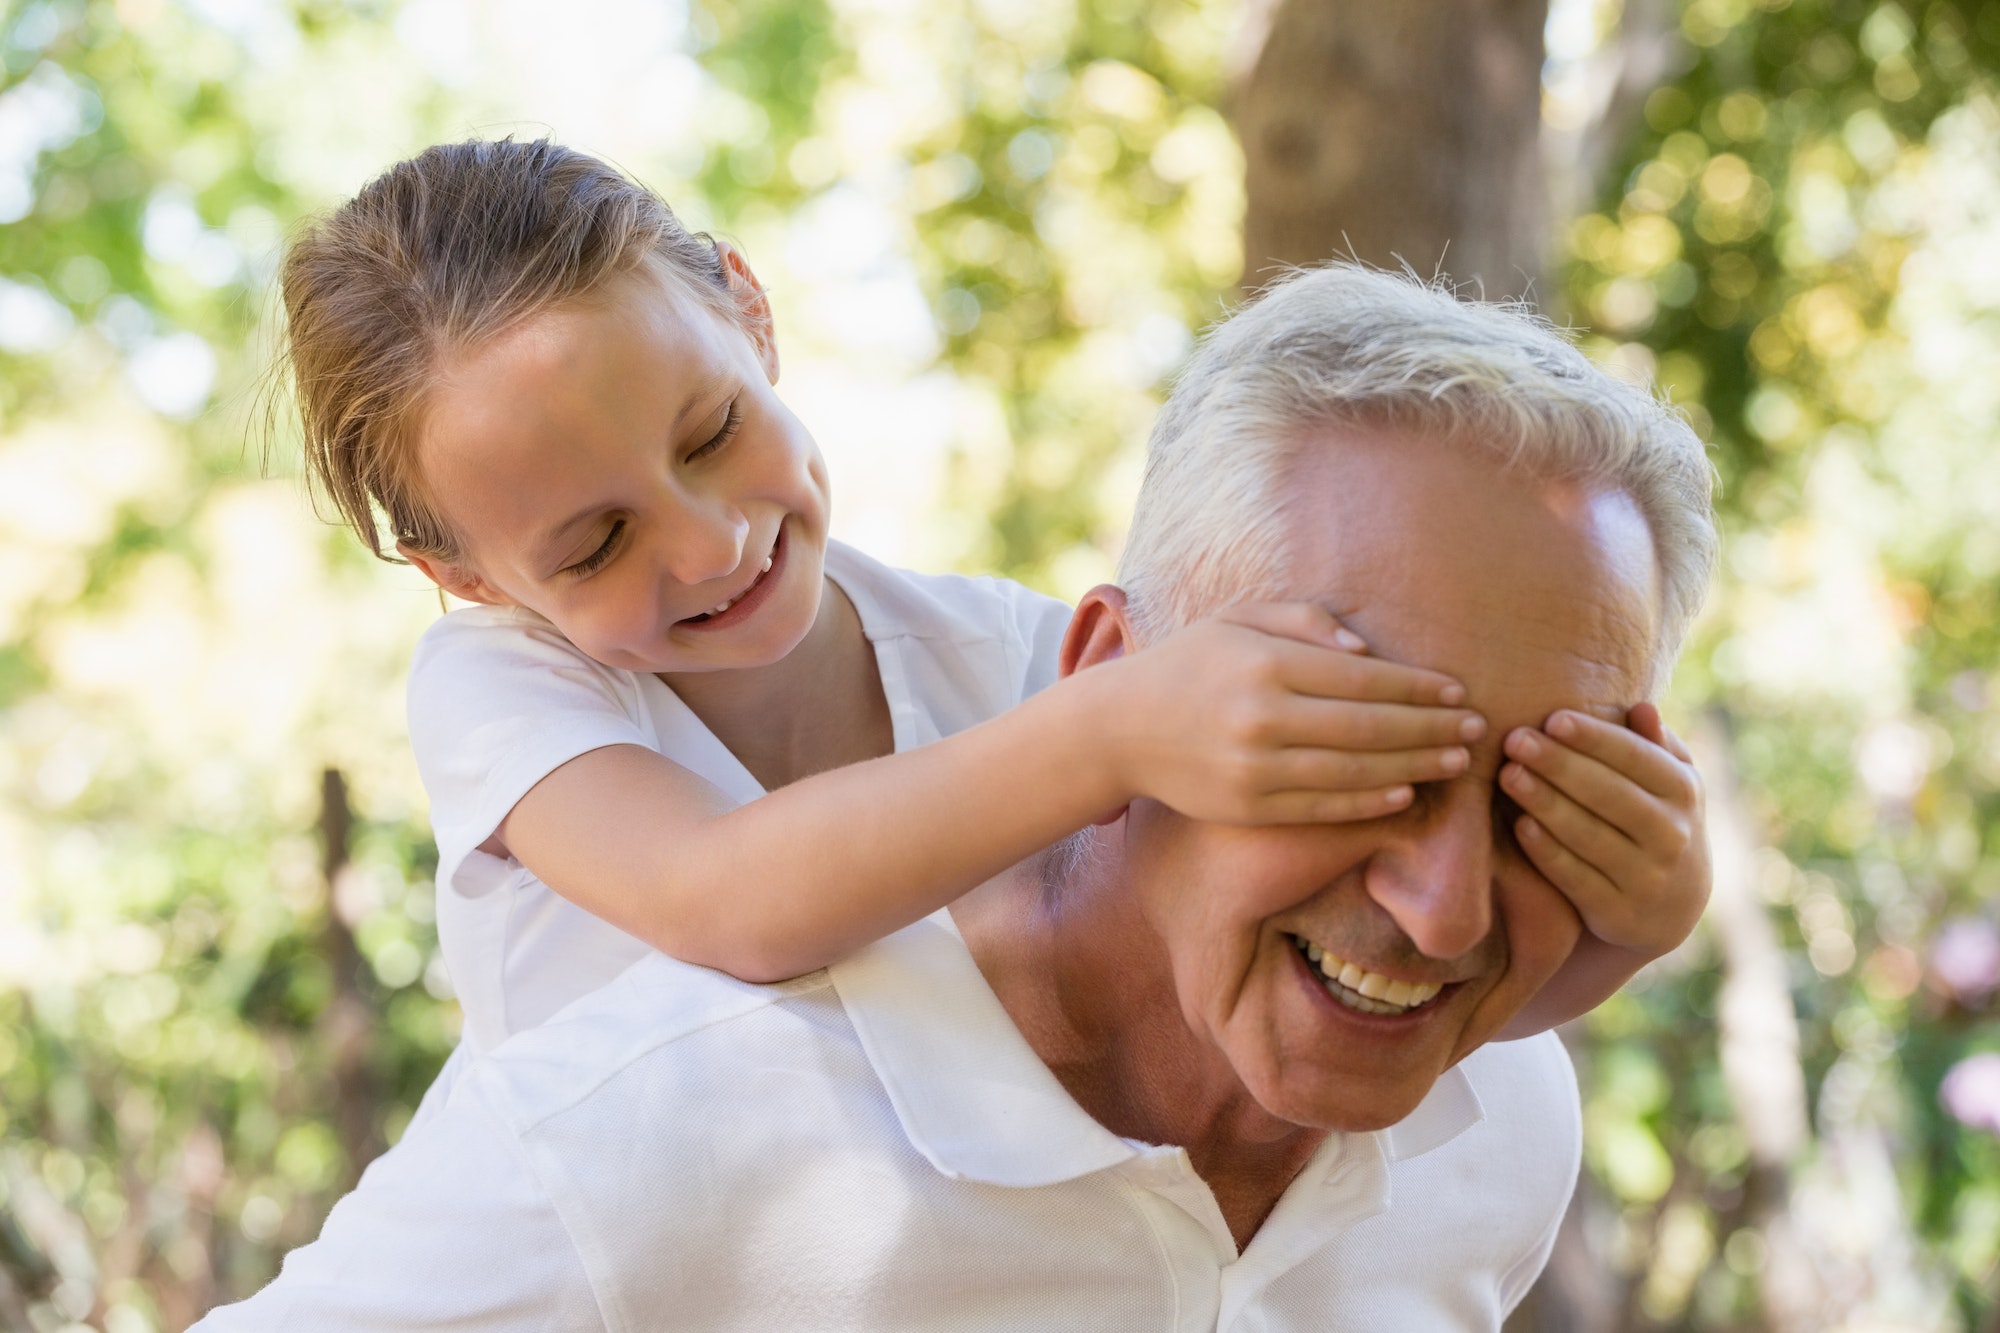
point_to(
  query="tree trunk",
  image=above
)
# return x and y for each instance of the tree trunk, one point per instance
(1410, 135)
(1397, 134)
(350, 1020)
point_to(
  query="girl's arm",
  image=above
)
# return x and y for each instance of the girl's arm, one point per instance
(1264, 714)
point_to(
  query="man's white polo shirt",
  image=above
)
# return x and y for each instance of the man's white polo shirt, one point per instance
(877, 1147)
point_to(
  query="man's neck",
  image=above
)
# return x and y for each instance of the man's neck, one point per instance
(1088, 984)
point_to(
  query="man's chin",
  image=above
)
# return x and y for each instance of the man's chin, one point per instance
(1324, 1100)
(1307, 1060)
(1333, 1099)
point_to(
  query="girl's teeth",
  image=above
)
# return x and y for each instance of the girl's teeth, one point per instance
(746, 592)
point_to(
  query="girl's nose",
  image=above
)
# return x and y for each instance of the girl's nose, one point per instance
(705, 543)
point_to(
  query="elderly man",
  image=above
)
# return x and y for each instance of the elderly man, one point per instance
(1120, 1087)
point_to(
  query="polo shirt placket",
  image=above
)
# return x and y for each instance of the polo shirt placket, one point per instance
(1015, 1125)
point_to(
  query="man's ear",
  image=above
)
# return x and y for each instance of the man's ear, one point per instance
(753, 307)
(1099, 630)
(455, 579)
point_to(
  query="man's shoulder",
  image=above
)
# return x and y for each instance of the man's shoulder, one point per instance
(1536, 1068)
(653, 1012)
(1528, 1143)
(1527, 1091)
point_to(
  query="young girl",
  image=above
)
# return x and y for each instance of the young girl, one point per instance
(677, 715)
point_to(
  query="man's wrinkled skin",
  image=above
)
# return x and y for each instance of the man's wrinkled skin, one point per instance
(1164, 983)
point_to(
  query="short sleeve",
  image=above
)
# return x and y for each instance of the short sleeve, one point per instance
(449, 1229)
(1548, 1131)
(498, 700)
(1037, 624)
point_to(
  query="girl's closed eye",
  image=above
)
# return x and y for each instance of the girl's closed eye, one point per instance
(732, 421)
(605, 550)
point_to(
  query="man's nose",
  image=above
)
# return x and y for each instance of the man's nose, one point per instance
(1436, 879)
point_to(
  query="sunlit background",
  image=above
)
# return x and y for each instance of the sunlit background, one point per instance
(990, 229)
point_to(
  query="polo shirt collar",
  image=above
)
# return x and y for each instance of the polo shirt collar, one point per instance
(1449, 1109)
(979, 1104)
(972, 1095)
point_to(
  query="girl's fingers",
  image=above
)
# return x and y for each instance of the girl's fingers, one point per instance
(1324, 807)
(1589, 838)
(1345, 771)
(1331, 660)
(1305, 621)
(1595, 897)
(1310, 669)
(1675, 746)
(1342, 724)
(1645, 719)
(1598, 788)
(1650, 765)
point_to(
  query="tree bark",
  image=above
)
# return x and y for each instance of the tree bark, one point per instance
(1397, 134)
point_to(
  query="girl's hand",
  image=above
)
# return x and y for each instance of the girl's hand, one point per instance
(1270, 713)
(1612, 816)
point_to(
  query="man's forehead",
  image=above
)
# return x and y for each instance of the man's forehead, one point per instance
(1535, 595)
(1516, 668)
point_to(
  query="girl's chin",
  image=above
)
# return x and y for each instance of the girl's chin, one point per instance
(734, 652)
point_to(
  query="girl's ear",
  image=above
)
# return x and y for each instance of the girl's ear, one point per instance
(455, 579)
(753, 307)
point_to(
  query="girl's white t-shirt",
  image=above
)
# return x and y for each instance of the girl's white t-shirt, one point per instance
(499, 699)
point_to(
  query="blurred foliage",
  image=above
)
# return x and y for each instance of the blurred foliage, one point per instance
(1798, 241)
(167, 1049)
(1074, 221)
(1800, 238)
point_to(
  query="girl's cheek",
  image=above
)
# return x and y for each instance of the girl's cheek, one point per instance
(609, 619)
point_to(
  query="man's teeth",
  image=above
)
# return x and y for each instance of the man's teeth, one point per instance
(767, 566)
(1370, 992)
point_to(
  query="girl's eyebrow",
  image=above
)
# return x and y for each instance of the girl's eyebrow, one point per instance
(549, 545)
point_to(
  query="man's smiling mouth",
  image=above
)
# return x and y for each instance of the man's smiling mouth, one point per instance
(1362, 990)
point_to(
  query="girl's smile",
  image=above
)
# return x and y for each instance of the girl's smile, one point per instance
(743, 605)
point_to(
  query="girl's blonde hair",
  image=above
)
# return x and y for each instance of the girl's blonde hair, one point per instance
(436, 256)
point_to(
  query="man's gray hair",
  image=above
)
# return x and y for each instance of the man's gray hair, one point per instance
(1351, 347)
